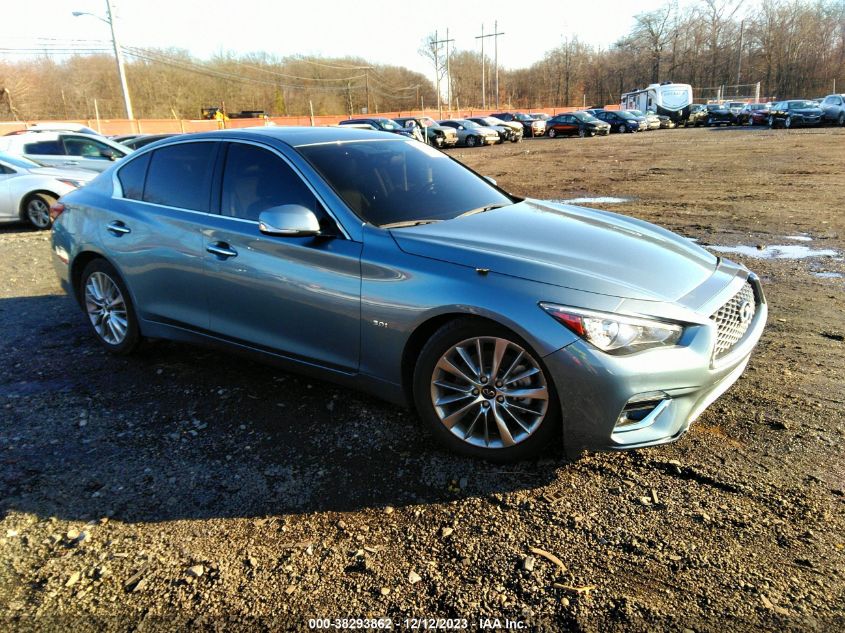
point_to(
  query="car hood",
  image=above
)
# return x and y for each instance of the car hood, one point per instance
(85, 175)
(564, 245)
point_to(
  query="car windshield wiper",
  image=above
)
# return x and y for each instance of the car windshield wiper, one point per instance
(404, 223)
(489, 207)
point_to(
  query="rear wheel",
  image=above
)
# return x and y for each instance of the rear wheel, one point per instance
(484, 393)
(36, 210)
(109, 308)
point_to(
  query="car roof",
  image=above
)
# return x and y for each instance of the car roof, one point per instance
(295, 136)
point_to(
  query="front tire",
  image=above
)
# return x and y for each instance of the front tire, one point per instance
(551, 133)
(471, 141)
(439, 142)
(108, 306)
(484, 393)
(841, 120)
(582, 133)
(36, 210)
(771, 123)
(621, 129)
(788, 122)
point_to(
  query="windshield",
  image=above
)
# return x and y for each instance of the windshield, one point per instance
(636, 112)
(735, 104)
(467, 123)
(626, 115)
(519, 116)
(18, 161)
(390, 182)
(387, 124)
(491, 120)
(426, 121)
(798, 105)
(714, 106)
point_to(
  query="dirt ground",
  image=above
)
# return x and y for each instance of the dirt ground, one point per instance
(183, 487)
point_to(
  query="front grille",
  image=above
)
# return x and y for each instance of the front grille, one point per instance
(733, 320)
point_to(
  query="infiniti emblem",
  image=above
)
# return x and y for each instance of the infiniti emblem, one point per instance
(746, 311)
(488, 392)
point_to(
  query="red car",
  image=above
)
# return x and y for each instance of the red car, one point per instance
(754, 114)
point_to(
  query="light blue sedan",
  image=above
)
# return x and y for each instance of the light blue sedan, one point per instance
(383, 264)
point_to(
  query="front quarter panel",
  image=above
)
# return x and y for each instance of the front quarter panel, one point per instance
(401, 292)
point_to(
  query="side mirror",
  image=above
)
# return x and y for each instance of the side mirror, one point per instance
(289, 220)
(109, 154)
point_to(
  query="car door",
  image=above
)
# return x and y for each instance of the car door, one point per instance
(89, 153)
(152, 230)
(298, 296)
(569, 125)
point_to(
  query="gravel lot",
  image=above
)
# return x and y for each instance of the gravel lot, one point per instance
(185, 487)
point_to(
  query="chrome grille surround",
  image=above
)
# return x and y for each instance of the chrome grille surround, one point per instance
(733, 319)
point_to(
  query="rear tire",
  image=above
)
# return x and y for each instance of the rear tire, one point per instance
(475, 424)
(36, 210)
(108, 308)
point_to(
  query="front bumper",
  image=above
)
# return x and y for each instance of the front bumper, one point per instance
(681, 381)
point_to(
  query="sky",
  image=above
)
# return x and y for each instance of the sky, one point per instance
(379, 31)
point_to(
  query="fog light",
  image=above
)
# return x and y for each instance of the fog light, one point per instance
(641, 411)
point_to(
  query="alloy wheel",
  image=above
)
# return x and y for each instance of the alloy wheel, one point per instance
(552, 133)
(106, 308)
(489, 392)
(38, 212)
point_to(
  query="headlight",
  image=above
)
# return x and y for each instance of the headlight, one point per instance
(613, 333)
(71, 182)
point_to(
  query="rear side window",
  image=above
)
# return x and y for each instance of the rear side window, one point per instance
(255, 180)
(132, 177)
(180, 176)
(45, 148)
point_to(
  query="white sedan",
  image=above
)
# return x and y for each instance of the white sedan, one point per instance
(27, 190)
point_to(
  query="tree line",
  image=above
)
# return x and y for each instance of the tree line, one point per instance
(793, 48)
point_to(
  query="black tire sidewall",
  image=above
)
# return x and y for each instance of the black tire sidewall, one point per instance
(133, 333)
(449, 335)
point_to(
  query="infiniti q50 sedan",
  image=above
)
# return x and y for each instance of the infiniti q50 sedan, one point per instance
(383, 264)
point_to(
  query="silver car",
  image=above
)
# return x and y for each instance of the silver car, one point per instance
(27, 189)
(383, 264)
(64, 149)
(471, 134)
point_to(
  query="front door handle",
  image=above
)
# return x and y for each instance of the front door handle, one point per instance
(222, 250)
(118, 228)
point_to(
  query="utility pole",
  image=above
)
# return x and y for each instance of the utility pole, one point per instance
(367, 79)
(448, 74)
(739, 61)
(118, 53)
(495, 35)
(435, 45)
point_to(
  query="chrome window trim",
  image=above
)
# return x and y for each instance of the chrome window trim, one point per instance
(117, 188)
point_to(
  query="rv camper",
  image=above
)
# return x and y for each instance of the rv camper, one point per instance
(672, 100)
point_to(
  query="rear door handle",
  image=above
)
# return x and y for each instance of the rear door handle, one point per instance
(118, 228)
(222, 250)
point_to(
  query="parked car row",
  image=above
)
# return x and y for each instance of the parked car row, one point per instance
(786, 114)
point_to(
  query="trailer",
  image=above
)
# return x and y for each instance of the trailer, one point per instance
(667, 98)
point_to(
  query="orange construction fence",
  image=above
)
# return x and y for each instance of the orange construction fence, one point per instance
(114, 127)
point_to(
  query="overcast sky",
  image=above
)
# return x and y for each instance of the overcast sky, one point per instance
(379, 31)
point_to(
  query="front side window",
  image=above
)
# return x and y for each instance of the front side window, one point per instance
(392, 182)
(87, 148)
(179, 176)
(255, 179)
